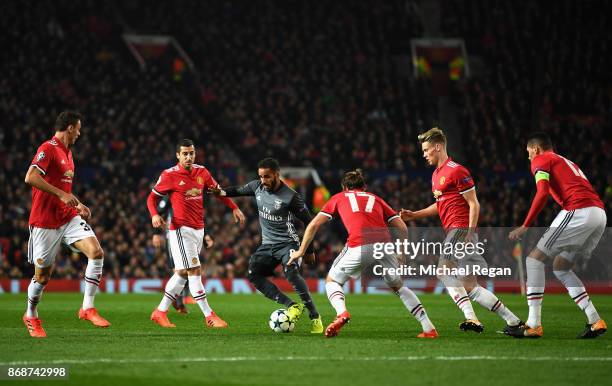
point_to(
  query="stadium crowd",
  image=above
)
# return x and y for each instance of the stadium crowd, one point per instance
(312, 84)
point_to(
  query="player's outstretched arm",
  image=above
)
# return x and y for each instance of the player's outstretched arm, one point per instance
(33, 178)
(233, 191)
(309, 234)
(408, 215)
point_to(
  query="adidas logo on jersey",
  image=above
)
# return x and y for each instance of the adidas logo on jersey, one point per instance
(181, 183)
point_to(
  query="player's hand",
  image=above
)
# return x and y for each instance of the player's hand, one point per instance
(209, 241)
(518, 233)
(407, 215)
(216, 190)
(295, 256)
(239, 217)
(156, 241)
(470, 237)
(83, 211)
(310, 258)
(69, 199)
(158, 222)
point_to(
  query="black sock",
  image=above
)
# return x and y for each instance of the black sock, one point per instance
(292, 274)
(269, 290)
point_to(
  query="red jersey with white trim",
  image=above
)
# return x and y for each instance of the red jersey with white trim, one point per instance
(55, 163)
(185, 188)
(364, 215)
(448, 184)
(568, 184)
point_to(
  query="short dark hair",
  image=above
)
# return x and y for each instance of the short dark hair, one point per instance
(353, 180)
(67, 118)
(435, 135)
(269, 163)
(541, 139)
(184, 143)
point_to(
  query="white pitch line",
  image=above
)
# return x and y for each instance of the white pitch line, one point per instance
(305, 358)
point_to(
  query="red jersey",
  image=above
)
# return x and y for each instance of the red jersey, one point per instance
(55, 163)
(364, 215)
(568, 184)
(185, 188)
(448, 183)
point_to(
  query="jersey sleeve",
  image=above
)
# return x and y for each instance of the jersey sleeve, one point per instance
(42, 159)
(330, 209)
(388, 212)
(540, 168)
(244, 190)
(464, 180)
(212, 183)
(163, 185)
(298, 207)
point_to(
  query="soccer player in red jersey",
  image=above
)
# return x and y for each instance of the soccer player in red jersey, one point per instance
(574, 232)
(366, 218)
(458, 207)
(185, 184)
(57, 217)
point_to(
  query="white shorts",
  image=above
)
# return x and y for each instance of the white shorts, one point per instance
(185, 246)
(45, 243)
(351, 261)
(459, 257)
(572, 233)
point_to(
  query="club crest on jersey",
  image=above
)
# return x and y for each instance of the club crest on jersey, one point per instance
(442, 180)
(194, 192)
(40, 156)
(200, 180)
(278, 204)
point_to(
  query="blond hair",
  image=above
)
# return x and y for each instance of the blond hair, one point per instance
(435, 135)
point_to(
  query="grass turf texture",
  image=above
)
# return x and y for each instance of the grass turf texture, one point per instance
(378, 346)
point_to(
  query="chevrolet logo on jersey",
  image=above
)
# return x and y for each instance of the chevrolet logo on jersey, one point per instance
(437, 193)
(69, 174)
(194, 192)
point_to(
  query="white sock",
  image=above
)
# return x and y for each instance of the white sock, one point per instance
(93, 273)
(174, 287)
(576, 290)
(35, 291)
(462, 300)
(335, 294)
(536, 280)
(199, 295)
(413, 304)
(488, 300)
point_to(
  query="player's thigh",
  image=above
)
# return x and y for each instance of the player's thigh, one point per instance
(79, 236)
(390, 265)
(184, 245)
(262, 262)
(346, 265)
(283, 252)
(44, 244)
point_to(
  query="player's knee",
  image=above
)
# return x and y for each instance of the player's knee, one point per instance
(181, 272)
(561, 264)
(42, 278)
(96, 253)
(291, 271)
(254, 277)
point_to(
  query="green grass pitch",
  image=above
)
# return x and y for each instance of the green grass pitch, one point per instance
(378, 346)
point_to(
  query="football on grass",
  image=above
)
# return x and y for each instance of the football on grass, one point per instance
(280, 321)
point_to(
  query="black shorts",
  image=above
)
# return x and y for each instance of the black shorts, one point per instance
(268, 256)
